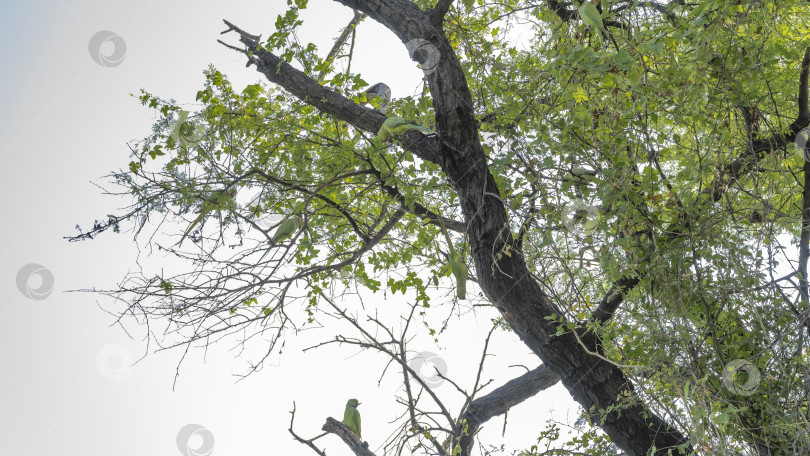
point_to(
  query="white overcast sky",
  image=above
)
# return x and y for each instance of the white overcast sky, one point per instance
(66, 385)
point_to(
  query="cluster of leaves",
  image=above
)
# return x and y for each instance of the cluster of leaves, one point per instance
(652, 119)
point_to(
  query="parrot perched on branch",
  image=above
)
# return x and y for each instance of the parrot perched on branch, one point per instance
(457, 266)
(397, 126)
(217, 201)
(351, 417)
(287, 228)
(590, 17)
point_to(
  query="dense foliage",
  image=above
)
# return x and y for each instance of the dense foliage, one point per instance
(660, 158)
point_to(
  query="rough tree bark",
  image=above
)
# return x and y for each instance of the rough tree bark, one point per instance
(341, 430)
(500, 401)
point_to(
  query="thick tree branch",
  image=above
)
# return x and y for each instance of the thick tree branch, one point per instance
(559, 8)
(804, 238)
(501, 400)
(325, 100)
(510, 394)
(804, 107)
(439, 11)
(804, 242)
(352, 441)
(614, 298)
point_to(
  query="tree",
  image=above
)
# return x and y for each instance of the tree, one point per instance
(627, 205)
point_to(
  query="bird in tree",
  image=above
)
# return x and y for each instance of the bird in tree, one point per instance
(287, 228)
(582, 172)
(578, 178)
(591, 18)
(460, 272)
(397, 126)
(378, 95)
(217, 201)
(351, 417)
(457, 266)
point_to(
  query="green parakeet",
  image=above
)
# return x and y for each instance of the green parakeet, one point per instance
(287, 228)
(351, 417)
(590, 17)
(460, 272)
(457, 267)
(397, 126)
(217, 201)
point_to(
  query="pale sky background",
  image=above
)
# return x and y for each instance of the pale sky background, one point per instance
(67, 386)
